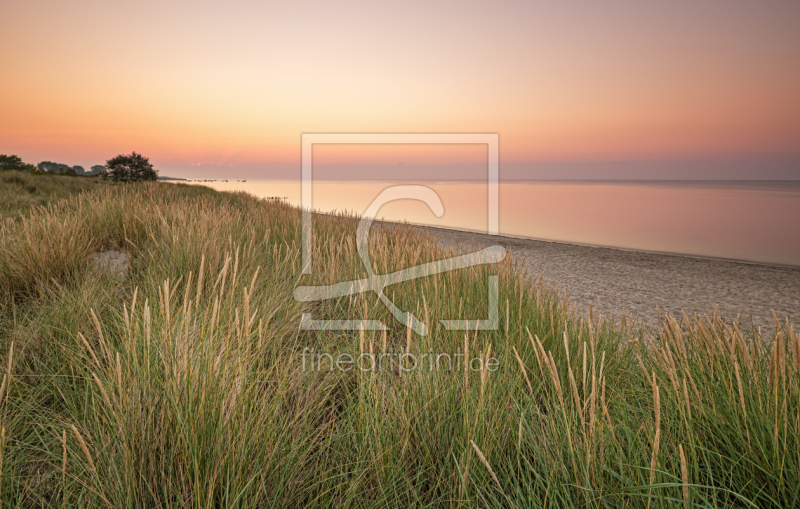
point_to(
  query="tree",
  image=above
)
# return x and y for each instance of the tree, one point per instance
(14, 163)
(60, 168)
(130, 168)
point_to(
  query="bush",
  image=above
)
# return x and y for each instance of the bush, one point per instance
(130, 168)
(14, 163)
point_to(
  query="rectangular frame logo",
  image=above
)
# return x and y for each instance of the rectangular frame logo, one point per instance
(489, 255)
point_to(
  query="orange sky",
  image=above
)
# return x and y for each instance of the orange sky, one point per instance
(232, 85)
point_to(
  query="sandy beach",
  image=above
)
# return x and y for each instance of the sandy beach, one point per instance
(638, 282)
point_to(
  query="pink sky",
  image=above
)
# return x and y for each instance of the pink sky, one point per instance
(205, 89)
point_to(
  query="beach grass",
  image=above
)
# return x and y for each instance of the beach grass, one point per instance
(21, 191)
(187, 382)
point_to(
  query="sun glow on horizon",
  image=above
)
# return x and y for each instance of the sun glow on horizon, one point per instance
(235, 85)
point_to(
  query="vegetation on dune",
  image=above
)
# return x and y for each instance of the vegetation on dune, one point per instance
(184, 384)
(21, 191)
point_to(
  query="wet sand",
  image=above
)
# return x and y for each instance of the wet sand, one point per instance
(639, 281)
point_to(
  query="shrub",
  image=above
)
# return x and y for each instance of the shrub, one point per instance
(130, 168)
(14, 163)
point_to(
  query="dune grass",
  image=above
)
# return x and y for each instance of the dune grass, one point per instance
(186, 383)
(21, 191)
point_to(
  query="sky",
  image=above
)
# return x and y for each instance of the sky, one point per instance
(612, 89)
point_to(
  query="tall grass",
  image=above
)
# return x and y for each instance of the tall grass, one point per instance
(22, 190)
(184, 385)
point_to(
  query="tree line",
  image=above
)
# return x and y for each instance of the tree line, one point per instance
(65, 169)
(122, 168)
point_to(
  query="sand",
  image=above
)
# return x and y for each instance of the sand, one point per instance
(113, 261)
(637, 281)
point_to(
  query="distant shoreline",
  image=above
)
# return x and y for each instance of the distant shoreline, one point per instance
(483, 235)
(603, 246)
(793, 183)
(637, 281)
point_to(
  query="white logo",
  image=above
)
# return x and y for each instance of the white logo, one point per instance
(377, 282)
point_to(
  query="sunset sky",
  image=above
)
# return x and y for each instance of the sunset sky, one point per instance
(679, 89)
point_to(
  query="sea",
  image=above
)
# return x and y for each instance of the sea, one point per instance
(752, 221)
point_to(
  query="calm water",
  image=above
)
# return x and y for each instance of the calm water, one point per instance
(745, 221)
